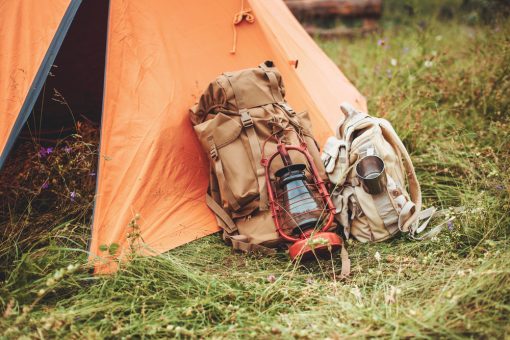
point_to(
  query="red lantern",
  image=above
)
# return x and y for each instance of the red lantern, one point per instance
(301, 207)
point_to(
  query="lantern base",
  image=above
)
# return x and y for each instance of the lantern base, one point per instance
(323, 243)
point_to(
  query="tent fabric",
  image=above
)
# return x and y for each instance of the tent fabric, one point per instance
(31, 32)
(160, 56)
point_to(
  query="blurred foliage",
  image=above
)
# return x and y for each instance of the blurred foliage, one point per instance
(470, 12)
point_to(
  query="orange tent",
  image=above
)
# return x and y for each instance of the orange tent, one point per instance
(160, 55)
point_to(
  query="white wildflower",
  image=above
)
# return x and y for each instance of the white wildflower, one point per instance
(393, 62)
(58, 274)
(428, 63)
(377, 256)
(72, 267)
(357, 293)
(391, 297)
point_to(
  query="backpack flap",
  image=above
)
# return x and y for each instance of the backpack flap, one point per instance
(351, 123)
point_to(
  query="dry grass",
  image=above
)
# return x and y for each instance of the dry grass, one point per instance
(445, 87)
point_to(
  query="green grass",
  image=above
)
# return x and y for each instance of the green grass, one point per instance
(448, 97)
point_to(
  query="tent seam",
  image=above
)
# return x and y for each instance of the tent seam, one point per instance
(100, 131)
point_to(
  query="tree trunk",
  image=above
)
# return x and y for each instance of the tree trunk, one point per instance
(332, 8)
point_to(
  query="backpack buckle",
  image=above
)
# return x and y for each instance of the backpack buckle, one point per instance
(287, 108)
(246, 119)
(214, 152)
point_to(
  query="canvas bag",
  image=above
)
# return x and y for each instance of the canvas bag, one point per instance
(373, 218)
(235, 116)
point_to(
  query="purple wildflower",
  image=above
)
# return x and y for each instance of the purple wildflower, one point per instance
(68, 149)
(45, 185)
(381, 42)
(450, 225)
(309, 281)
(500, 187)
(92, 174)
(73, 195)
(43, 152)
(271, 278)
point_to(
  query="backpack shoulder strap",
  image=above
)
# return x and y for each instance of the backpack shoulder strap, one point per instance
(256, 153)
(414, 186)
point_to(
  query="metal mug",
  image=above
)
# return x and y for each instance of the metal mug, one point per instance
(370, 170)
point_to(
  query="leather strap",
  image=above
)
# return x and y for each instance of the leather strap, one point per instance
(293, 119)
(247, 122)
(405, 215)
(346, 262)
(241, 242)
(218, 169)
(238, 242)
(228, 224)
(426, 216)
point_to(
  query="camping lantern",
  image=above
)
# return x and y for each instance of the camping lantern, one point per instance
(301, 207)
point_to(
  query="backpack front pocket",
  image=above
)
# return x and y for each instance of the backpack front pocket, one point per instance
(230, 161)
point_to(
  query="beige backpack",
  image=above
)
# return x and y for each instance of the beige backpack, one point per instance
(234, 118)
(373, 208)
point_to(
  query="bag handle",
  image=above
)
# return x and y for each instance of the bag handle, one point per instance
(270, 71)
